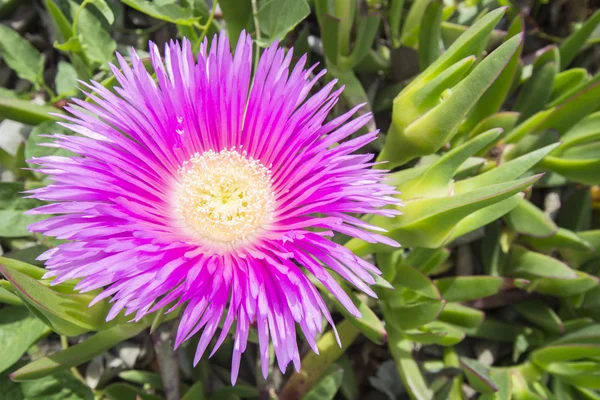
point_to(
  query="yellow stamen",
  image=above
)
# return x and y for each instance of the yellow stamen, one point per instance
(224, 198)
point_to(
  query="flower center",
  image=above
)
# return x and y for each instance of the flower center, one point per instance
(224, 198)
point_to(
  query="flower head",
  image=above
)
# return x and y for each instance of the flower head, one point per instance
(210, 190)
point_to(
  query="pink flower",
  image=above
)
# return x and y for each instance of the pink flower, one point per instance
(212, 191)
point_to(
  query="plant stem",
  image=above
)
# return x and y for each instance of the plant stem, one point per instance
(209, 21)
(258, 35)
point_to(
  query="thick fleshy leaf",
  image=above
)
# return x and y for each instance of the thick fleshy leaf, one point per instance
(528, 264)
(26, 112)
(478, 376)
(540, 314)
(431, 131)
(466, 288)
(529, 220)
(170, 12)
(561, 287)
(562, 239)
(21, 56)
(578, 170)
(429, 222)
(278, 17)
(566, 84)
(19, 329)
(536, 91)
(484, 216)
(84, 351)
(412, 102)
(67, 314)
(506, 171)
(492, 99)
(578, 258)
(13, 223)
(571, 46)
(415, 315)
(460, 315)
(436, 180)
(328, 386)
(430, 34)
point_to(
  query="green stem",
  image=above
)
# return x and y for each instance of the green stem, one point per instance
(209, 21)
(64, 342)
(77, 13)
(258, 34)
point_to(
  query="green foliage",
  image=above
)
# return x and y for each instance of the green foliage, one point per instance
(491, 127)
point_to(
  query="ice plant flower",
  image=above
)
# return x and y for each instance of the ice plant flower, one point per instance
(207, 189)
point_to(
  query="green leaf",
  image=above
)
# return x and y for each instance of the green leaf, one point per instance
(237, 391)
(328, 386)
(412, 24)
(510, 170)
(151, 379)
(66, 79)
(430, 34)
(237, 15)
(278, 17)
(429, 222)
(408, 109)
(414, 280)
(529, 264)
(60, 386)
(169, 12)
(570, 47)
(561, 287)
(529, 220)
(408, 368)
(578, 258)
(124, 391)
(536, 91)
(504, 120)
(67, 314)
(97, 44)
(437, 179)
(563, 239)
(13, 223)
(491, 101)
(583, 374)
(26, 112)
(415, 315)
(566, 84)
(565, 116)
(430, 132)
(21, 56)
(72, 45)
(528, 126)
(196, 392)
(467, 288)
(59, 20)
(460, 315)
(478, 376)
(484, 216)
(19, 330)
(6, 296)
(540, 314)
(84, 351)
(583, 171)
(104, 9)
